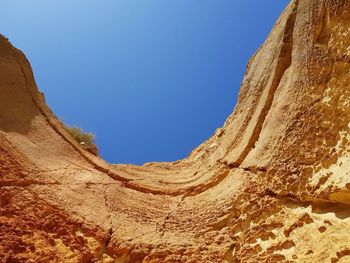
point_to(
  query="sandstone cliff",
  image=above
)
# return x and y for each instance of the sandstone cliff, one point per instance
(271, 185)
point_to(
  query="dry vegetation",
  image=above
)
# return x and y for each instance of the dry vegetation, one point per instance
(85, 139)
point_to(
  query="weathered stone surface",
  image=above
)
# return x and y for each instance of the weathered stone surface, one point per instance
(272, 185)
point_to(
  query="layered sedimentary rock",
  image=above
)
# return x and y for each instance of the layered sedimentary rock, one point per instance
(271, 185)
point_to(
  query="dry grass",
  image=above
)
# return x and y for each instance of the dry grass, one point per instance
(85, 139)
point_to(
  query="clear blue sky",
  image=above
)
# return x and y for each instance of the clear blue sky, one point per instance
(151, 78)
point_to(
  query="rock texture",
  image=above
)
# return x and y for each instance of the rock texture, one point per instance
(272, 185)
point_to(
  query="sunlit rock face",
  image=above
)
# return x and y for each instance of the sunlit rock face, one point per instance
(271, 185)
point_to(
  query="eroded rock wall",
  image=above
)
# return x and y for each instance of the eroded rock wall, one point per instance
(271, 185)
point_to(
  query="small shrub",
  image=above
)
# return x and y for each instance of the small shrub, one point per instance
(85, 139)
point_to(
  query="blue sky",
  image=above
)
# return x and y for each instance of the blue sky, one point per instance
(152, 79)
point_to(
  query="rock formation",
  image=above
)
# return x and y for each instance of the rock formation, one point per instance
(271, 185)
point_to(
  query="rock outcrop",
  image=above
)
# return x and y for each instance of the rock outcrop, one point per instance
(271, 185)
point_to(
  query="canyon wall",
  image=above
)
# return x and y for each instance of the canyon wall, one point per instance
(271, 185)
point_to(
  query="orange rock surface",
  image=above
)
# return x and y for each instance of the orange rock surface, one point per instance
(271, 185)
